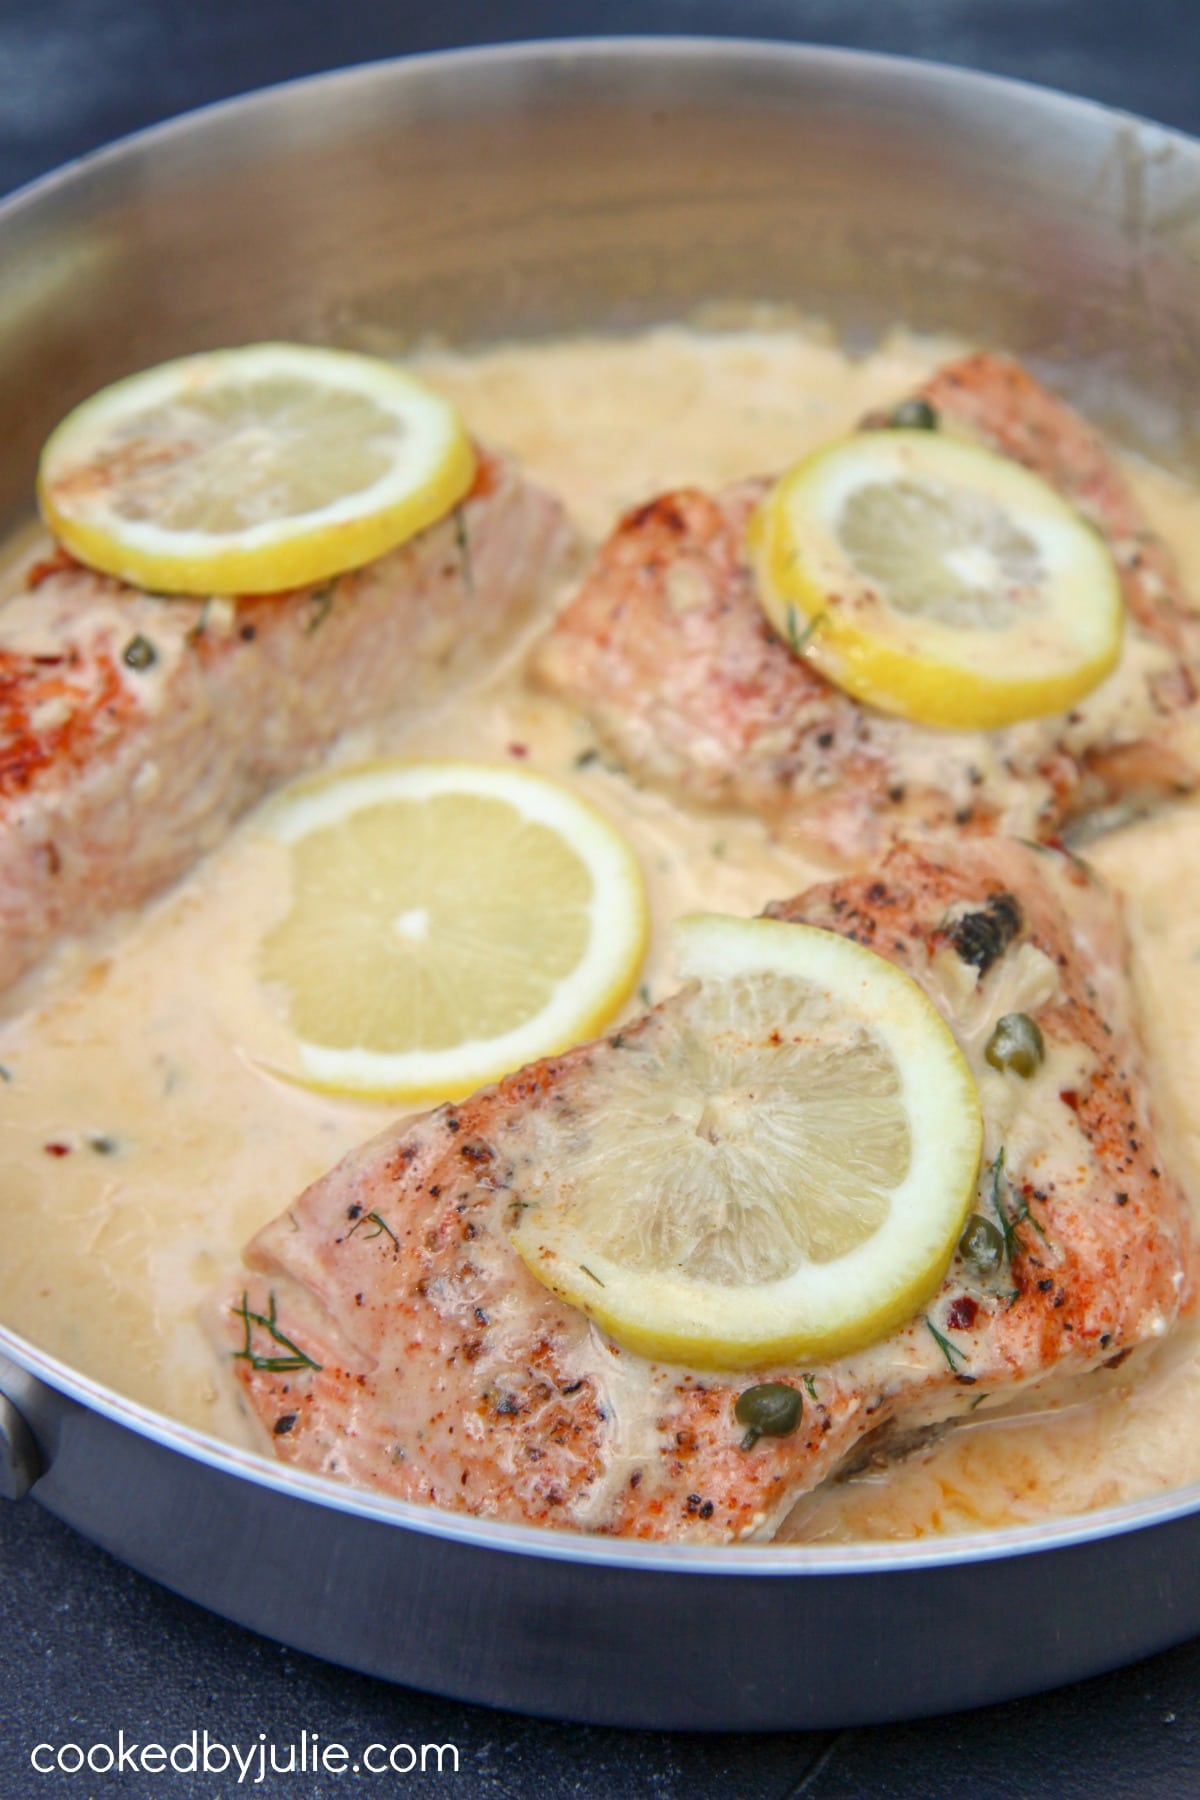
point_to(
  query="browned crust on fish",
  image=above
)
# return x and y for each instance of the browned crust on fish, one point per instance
(666, 649)
(447, 1374)
(134, 730)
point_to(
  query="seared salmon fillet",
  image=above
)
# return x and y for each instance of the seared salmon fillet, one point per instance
(386, 1332)
(667, 650)
(135, 729)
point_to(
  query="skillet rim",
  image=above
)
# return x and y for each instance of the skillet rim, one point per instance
(64, 182)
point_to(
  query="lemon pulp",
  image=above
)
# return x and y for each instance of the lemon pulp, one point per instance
(776, 1168)
(935, 580)
(449, 922)
(251, 470)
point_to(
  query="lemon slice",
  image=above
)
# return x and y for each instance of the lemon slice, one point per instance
(449, 922)
(775, 1168)
(932, 579)
(251, 470)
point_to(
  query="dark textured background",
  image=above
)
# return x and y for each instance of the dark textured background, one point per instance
(74, 73)
(87, 1647)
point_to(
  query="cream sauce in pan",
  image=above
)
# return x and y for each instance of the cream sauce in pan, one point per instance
(148, 1126)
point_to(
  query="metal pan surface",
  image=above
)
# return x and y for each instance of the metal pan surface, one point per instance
(552, 187)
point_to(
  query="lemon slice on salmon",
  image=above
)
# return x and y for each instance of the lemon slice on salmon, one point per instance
(932, 579)
(253, 470)
(775, 1167)
(449, 922)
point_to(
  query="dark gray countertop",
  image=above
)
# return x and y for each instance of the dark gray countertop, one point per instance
(88, 1649)
(74, 73)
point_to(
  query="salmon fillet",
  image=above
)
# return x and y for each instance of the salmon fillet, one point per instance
(134, 730)
(385, 1331)
(667, 650)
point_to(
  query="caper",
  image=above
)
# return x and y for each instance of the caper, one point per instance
(139, 653)
(914, 415)
(981, 1246)
(772, 1409)
(1017, 1045)
(981, 938)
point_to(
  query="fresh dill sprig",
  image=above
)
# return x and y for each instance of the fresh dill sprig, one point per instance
(1020, 1213)
(192, 636)
(1058, 848)
(798, 641)
(464, 550)
(996, 1172)
(272, 1365)
(954, 1357)
(381, 1226)
(1023, 1216)
(811, 1385)
(322, 606)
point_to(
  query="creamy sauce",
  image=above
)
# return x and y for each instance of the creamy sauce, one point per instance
(148, 1122)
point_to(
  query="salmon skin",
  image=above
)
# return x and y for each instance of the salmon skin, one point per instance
(384, 1330)
(134, 729)
(667, 651)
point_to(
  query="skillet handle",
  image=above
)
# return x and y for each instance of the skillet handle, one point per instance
(20, 1459)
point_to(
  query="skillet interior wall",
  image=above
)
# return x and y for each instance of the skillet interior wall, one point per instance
(350, 1592)
(562, 189)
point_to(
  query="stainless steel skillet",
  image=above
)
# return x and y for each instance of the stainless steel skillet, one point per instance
(551, 187)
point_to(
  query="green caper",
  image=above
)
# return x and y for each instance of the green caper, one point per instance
(981, 1246)
(772, 1409)
(914, 415)
(1017, 1045)
(139, 653)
